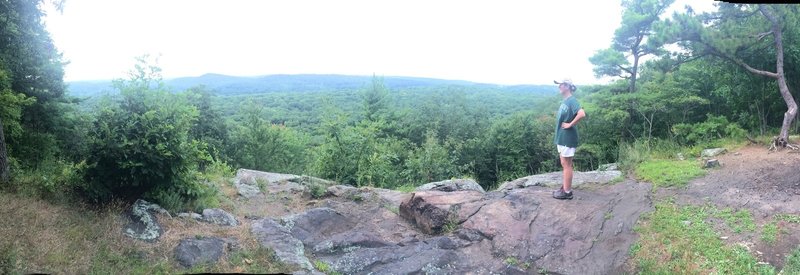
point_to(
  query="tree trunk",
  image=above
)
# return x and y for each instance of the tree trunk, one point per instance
(4, 171)
(635, 71)
(791, 111)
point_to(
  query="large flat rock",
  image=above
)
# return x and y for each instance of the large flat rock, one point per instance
(556, 179)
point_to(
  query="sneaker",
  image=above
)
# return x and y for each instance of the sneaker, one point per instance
(561, 195)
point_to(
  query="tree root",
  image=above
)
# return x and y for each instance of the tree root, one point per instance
(780, 143)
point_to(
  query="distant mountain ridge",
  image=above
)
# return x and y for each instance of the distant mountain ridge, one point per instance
(238, 85)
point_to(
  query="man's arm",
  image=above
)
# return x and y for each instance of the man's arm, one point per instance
(580, 115)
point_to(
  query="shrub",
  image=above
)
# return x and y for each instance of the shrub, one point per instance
(140, 145)
(713, 128)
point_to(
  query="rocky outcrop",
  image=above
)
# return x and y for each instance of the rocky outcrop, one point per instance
(713, 152)
(452, 185)
(219, 216)
(193, 251)
(142, 223)
(555, 179)
(460, 232)
(248, 182)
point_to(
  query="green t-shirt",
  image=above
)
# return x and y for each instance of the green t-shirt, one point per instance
(566, 113)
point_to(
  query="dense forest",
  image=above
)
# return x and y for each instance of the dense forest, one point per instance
(687, 79)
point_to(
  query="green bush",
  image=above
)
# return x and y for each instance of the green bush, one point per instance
(50, 180)
(715, 127)
(140, 145)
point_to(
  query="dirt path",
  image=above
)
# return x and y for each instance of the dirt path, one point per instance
(764, 183)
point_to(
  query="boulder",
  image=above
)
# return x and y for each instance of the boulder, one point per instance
(143, 224)
(556, 178)
(432, 211)
(711, 163)
(288, 249)
(219, 216)
(193, 251)
(341, 190)
(452, 185)
(247, 190)
(191, 215)
(713, 152)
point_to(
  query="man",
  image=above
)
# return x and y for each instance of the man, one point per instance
(566, 138)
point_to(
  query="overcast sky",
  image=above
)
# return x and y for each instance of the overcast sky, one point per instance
(497, 41)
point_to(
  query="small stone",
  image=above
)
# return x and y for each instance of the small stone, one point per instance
(723, 237)
(737, 154)
(680, 156)
(687, 223)
(219, 216)
(711, 163)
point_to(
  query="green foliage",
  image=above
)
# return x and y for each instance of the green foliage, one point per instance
(317, 190)
(788, 218)
(140, 144)
(677, 239)
(738, 221)
(8, 259)
(668, 173)
(715, 127)
(769, 233)
(431, 162)
(260, 145)
(51, 180)
(792, 263)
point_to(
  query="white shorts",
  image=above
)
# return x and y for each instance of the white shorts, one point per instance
(565, 151)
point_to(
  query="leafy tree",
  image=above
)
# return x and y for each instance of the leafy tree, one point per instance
(258, 144)
(210, 127)
(34, 69)
(375, 99)
(737, 33)
(631, 40)
(432, 161)
(11, 105)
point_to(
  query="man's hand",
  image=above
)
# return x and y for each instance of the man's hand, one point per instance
(565, 125)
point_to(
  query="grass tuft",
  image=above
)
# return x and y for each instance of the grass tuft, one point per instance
(668, 173)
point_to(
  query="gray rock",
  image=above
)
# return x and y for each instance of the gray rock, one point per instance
(341, 190)
(191, 215)
(555, 179)
(193, 251)
(288, 249)
(713, 152)
(452, 185)
(608, 167)
(247, 191)
(143, 225)
(219, 216)
(711, 163)
(246, 180)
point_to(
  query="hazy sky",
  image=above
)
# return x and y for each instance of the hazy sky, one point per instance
(497, 41)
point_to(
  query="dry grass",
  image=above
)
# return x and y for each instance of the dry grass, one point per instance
(41, 237)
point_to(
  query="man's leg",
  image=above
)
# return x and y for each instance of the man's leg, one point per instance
(566, 163)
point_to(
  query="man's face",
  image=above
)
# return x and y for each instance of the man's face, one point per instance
(563, 88)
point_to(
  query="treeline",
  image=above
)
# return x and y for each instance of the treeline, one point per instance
(145, 140)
